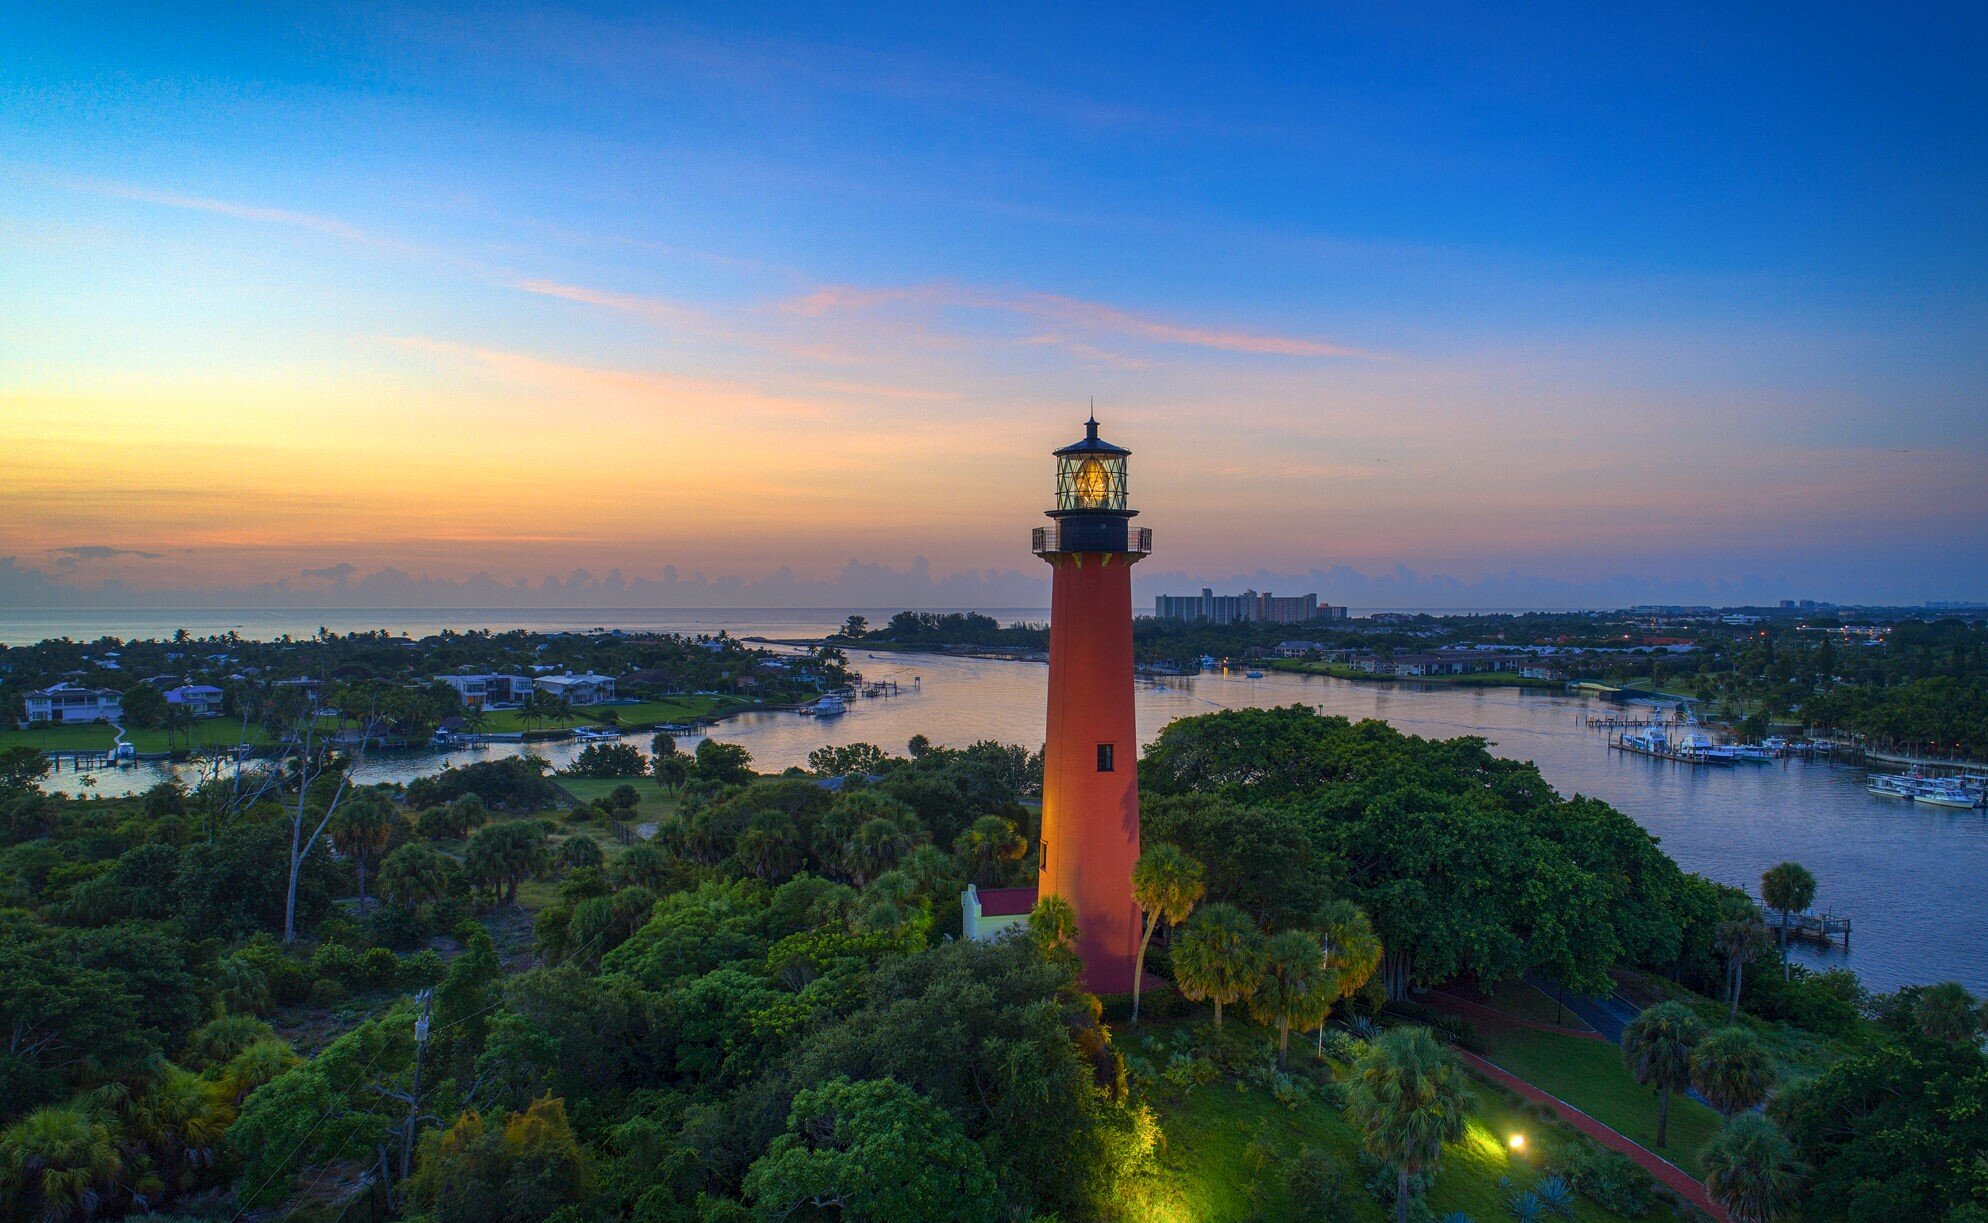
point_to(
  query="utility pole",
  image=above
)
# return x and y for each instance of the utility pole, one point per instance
(426, 998)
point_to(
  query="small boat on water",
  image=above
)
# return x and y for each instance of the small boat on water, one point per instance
(1252, 675)
(1754, 753)
(830, 706)
(1946, 793)
(1887, 785)
(596, 734)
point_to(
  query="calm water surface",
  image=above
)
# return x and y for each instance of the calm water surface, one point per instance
(1911, 877)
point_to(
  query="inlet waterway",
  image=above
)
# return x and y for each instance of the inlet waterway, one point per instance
(1912, 878)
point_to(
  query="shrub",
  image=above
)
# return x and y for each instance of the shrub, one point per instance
(326, 993)
(1613, 1183)
(377, 967)
(335, 962)
(1556, 1195)
(422, 969)
(1315, 1188)
(578, 852)
(396, 927)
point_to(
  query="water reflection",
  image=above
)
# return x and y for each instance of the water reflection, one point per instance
(1909, 876)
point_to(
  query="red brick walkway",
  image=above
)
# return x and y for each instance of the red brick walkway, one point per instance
(1670, 1174)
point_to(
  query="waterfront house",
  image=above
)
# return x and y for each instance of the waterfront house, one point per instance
(655, 678)
(488, 688)
(584, 689)
(201, 700)
(72, 703)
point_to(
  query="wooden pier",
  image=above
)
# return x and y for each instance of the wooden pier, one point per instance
(1615, 721)
(1823, 928)
(84, 760)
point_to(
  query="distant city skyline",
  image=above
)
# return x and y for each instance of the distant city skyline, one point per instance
(1562, 307)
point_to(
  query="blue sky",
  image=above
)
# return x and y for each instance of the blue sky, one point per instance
(1576, 295)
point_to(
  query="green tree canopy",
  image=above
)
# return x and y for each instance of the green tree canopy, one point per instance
(875, 1152)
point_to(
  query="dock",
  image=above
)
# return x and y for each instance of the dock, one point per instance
(83, 760)
(1823, 928)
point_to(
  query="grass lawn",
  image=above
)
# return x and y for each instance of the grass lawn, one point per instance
(93, 736)
(1590, 1075)
(507, 721)
(1221, 1141)
(657, 803)
(208, 732)
(670, 709)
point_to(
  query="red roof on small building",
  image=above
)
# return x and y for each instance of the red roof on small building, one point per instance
(1006, 902)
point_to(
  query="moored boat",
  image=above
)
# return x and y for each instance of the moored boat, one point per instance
(1947, 794)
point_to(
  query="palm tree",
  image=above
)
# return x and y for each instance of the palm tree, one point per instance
(360, 830)
(475, 718)
(1352, 950)
(1751, 1170)
(62, 1158)
(1657, 1047)
(467, 813)
(182, 1118)
(1408, 1099)
(1218, 956)
(531, 710)
(1729, 1068)
(875, 848)
(1297, 987)
(1166, 885)
(1739, 940)
(1787, 888)
(1053, 923)
(987, 843)
(1948, 1012)
(768, 850)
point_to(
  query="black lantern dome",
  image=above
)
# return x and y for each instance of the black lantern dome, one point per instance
(1091, 513)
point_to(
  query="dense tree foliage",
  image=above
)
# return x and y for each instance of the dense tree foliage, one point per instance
(1467, 863)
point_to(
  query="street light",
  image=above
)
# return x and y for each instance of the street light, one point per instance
(1517, 1142)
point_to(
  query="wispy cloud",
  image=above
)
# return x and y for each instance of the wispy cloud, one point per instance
(99, 552)
(655, 309)
(1076, 313)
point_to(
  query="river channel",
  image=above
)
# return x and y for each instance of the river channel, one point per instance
(1910, 877)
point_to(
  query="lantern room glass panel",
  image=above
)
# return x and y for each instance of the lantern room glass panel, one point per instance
(1090, 482)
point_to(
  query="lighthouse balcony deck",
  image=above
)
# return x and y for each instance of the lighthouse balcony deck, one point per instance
(1091, 536)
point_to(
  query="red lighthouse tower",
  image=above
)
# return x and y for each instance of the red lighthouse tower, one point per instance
(1090, 785)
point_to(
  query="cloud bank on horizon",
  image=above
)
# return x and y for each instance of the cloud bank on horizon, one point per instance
(1436, 309)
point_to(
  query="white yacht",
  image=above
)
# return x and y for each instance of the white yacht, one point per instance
(1946, 793)
(830, 706)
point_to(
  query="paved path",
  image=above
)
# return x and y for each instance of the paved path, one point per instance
(1672, 1176)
